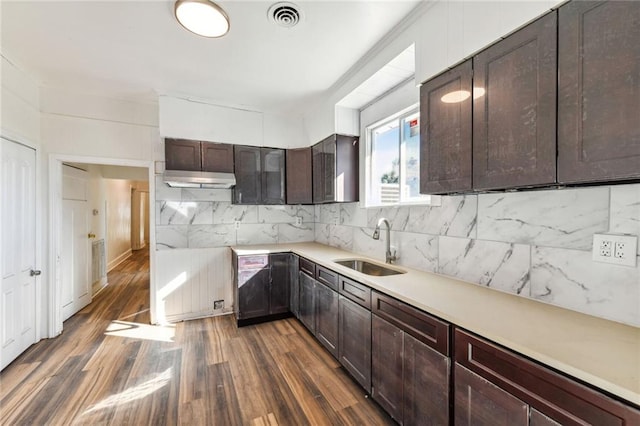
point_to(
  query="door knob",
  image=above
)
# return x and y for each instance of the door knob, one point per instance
(91, 235)
(35, 272)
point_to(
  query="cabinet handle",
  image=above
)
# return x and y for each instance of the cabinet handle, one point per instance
(35, 272)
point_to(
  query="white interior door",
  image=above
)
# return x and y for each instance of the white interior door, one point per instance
(75, 247)
(17, 250)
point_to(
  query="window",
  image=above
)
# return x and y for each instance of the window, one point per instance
(393, 161)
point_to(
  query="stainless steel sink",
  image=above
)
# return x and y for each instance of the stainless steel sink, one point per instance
(368, 268)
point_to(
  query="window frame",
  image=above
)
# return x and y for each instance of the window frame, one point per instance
(428, 200)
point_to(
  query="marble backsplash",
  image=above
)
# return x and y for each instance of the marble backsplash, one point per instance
(536, 244)
(204, 218)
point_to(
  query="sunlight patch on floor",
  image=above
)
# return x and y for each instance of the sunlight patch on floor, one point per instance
(132, 330)
(133, 393)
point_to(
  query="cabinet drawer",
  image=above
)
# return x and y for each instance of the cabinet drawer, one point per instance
(308, 267)
(359, 293)
(429, 330)
(558, 397)
(327, 277)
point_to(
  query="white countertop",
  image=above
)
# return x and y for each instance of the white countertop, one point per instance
(601, 352)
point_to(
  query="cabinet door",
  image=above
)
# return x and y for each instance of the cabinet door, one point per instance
(426, 384)
(182, 154)
(598, 91)
(318, 173)
(299, 176)
(327, 318)
(346, 165)
(253, 293)
(562, 398)
(294, 287)
(329, 169)
(280, 282)
(248, 189)
(514, 113)
(217, 157)
(536, 418)
(307, 302)
(480, 402)
(272, 176)
(355, 341)
(386, 366)
(445, 132)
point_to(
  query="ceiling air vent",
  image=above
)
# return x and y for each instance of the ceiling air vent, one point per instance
(285, 14)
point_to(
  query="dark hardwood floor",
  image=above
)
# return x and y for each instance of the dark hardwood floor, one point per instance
(110, 366)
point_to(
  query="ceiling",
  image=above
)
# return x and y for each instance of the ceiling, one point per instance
(138, 50)
(398, 70)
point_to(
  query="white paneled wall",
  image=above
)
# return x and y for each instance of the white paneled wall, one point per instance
(190, 280)
(452, 30)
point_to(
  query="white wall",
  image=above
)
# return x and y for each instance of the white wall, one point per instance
(94, 126)
(444, 32)
(118, 198)
(20, 121)
(20, 104)
(190, 119)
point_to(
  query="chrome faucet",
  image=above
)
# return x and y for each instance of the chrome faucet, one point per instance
(390, 257)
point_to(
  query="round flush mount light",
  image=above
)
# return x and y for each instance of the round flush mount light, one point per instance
(202, 17)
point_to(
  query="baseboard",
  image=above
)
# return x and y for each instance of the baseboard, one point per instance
(98, 286)
(118, 260)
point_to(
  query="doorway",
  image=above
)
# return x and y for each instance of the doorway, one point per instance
(109, 242)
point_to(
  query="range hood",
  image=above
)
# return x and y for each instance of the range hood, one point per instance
(187, 179)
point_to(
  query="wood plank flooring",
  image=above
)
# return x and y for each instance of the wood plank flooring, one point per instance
(110, 366)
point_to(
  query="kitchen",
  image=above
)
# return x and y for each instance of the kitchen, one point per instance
(535, 244)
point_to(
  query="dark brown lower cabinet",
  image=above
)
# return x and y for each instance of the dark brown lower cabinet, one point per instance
(355, 341)
(262, 286)
(387, 356)
(279, 283)
(536, 418)
(294, 285)
(327, 317)
(426, 384)
(410, 377)
(479, 402)
(307, 313)
(495, 386)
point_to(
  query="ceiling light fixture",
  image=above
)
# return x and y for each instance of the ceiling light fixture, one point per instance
(202, 17)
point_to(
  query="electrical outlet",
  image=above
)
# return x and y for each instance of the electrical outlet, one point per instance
(298, 220)
(218, 304)
(617, 249)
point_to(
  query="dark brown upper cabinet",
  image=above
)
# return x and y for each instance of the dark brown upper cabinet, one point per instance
(514, 113)
(248, 170)
(273, 175)
(182, 154)
(299, 176)
(335, 169)
(445, 132)
(259, 175)
(599, 91)
(217, 157)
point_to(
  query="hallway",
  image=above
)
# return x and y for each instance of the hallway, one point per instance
(110, 367)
